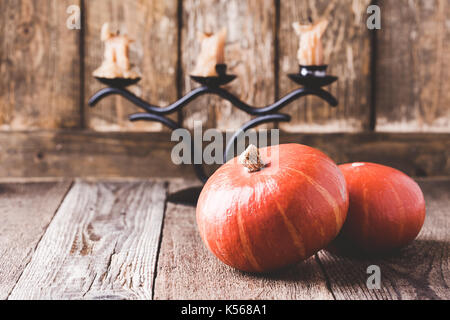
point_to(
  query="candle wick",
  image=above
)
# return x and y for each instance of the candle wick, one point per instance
(310, 19)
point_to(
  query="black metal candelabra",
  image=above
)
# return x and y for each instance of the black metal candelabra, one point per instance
(312, 78)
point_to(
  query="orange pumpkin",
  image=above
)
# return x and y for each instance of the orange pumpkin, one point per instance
(292, 204)
(386, 211)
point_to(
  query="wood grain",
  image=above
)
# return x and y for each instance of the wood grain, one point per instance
(153, 26)
(249, 54)
(186, 270)
(419, 271)
(418, 155)
(39, 63)
(99, 154)
(347, 51)
(88, 154)
(102, 244)
(26, 209)
(413, 67)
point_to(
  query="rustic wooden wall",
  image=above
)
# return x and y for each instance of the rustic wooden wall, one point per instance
(413, 67)
(39, 66)
(390, 80)
(347, 51)
(250, 52)
(154, 27)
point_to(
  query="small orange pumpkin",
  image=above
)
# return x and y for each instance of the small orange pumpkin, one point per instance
(263, 214)
(386, 211)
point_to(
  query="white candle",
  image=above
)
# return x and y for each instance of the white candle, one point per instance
(310, 51)
(116, 63)
(212, 53)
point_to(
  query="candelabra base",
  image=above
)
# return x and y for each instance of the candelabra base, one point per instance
(222, 79)
(118, 82)
(312, 76)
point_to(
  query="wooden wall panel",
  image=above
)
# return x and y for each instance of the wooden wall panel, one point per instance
(39, 66)
(73, 153)
(347, 51)
(413, 66)
(249, 54)
(153, 26)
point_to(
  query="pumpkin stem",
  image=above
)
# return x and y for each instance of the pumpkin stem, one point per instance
(251, 159)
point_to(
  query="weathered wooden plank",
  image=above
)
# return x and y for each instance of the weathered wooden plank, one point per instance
(88, 154)
(39, 63)
(26, 209)
(413, 66)
(419, 271)
(101, 244)
(99, 154)
(347, 51)
(186, 270)
(249, 54)
(153, 26)
(418, 155)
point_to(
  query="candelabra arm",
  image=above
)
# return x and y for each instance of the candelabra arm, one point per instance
(278, 105)
(154, 117)
(325, 95)
(198, 168)
(272, 108)
(250, 125)
(103, 93)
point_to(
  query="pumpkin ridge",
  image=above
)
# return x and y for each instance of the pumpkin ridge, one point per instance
(401, 209)
(365, 208)
(393, 205)
(294, 233)
(365, 225)
(326, 195)
(220, 251)
(245, 243)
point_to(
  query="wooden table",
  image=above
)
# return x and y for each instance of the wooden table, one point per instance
(123, 240)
